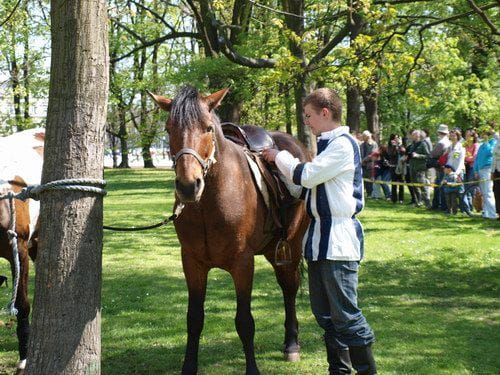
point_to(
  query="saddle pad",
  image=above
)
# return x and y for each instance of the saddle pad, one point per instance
(259, 179)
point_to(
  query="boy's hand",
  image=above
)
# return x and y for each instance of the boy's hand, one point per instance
(270, 154)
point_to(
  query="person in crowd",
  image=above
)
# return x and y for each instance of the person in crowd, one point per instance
(456, 158)
(452, 188)
(495, 174)
(482, 170)
(358, 136)
(406, 161)
(380, 172)
(471, 144)
(333, 244)
(430, 173)
(366, 148)
(394, 152)
(438, 201)
(419, 154)
(427, 138)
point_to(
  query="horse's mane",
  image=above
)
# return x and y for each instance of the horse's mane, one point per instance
(186, 110)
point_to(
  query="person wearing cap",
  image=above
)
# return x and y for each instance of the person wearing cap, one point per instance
(438, 201)
(367, 148)
(332, 185)
(482, 170)
(452, 188)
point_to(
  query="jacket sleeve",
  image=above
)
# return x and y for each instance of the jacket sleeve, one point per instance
(437, 151)
(337, 158)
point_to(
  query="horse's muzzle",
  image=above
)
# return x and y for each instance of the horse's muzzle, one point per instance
(189, 191)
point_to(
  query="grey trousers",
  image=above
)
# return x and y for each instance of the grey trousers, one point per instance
(333, 293)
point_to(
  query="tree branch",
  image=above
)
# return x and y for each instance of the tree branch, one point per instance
(128, 30)
(483, 15)
(156, 41)
(396, 2)
(457, 16)
(233, 56)
(329, 46)
(155, 14)
(10, 14)
(415, 59)
(210, 49)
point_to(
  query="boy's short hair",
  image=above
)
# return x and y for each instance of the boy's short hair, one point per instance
(449, 166)
(325, 98)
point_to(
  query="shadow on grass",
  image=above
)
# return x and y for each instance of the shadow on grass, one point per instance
(427, 316)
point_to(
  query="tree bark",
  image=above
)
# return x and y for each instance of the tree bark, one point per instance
(370, 100)
(353, 108)
(66, 335)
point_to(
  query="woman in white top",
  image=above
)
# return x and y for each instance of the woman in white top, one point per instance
(456, 153)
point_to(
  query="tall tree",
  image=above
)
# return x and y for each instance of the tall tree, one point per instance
(66, 337)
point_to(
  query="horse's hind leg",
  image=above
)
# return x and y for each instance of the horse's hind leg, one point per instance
(22, 305)
(289, 281)
(196, 279)
(242, 273)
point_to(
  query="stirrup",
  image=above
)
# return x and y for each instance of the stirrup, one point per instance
(282, 253)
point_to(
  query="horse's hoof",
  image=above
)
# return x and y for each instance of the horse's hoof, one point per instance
(292, 357)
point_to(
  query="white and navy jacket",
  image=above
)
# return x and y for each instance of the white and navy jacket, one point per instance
(333, 189)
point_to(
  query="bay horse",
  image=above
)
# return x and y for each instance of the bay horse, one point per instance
(222, 223)
(21, 157)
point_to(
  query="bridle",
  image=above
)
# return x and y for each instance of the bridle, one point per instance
(205, 164)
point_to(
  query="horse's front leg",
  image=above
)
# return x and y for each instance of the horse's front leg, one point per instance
(22, 305)
(196, 279)
(242, 274)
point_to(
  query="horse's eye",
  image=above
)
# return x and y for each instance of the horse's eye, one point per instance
(210, 129)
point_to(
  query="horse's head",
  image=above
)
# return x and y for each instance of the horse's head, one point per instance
(191, 127)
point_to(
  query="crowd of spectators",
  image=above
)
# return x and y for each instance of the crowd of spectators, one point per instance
(462, 167)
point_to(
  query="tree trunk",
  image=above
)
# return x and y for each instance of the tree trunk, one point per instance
(123, 135)
(26, 62)
(353, 108)
(303, 132)
(288, 112)
(370, 100)
(66, 335)
(296, 24)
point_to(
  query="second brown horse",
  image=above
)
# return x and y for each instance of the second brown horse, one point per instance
(222, 223)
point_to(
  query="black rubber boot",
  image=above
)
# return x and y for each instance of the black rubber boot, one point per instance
(362, 360)
(338, 360)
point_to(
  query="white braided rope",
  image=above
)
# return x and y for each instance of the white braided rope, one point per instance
(15, 254)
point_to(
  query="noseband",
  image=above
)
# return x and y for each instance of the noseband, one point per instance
(205, 164)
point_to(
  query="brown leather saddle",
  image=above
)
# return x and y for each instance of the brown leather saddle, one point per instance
(252, 137)
(255, 139)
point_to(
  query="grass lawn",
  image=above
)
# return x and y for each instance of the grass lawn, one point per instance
(429, 286)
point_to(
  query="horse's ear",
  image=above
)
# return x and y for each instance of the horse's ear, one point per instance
(215, 99)
(163, 103)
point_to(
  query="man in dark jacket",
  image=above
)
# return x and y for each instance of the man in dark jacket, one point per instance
(419, 154)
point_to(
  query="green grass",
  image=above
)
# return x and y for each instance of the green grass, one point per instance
(429, 286)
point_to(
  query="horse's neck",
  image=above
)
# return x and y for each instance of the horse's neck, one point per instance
(227, 156)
